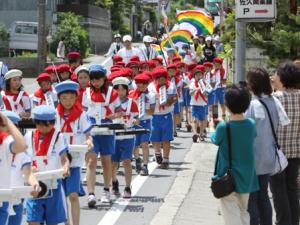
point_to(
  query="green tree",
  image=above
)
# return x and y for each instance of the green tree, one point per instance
(279, 39)
(70, 28)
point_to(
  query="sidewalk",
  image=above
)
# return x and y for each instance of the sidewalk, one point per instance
(199, 206)
(190, 200)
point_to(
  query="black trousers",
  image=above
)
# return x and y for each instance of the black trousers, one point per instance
(284, 188)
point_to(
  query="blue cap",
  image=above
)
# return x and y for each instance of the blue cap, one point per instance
(14, 117)
(185, 45)
(97, 68)
(44, 112)
(170, 50)
(67, 85)
(182, 53)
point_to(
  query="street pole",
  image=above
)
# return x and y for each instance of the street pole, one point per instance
(158, 14)
(42, 48)
(240, 51)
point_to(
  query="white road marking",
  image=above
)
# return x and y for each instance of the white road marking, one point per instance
(112, 216)
(106, 61)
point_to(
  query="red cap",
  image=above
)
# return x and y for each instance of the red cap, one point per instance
(114, 75)
(176, 59)
(117, 58)
(171, 66)
(151, 64)
(160, 60)
(218, 60)
(133, 64)
(143, 63)
(208, 64)
(180, 64)
(198, 68)
(135, 58)
(142, 78)
(149, 74)
(43, 77)
(114, 68)
(73, 55)
(159, 72)
(127, 72)
(121, 64)
(64, 68)
(191, 66)
(50, 69)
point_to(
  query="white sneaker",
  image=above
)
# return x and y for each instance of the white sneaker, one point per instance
(105, 197)
(92, 201)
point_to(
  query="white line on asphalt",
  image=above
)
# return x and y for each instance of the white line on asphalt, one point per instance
(112, 216)
(105, 61)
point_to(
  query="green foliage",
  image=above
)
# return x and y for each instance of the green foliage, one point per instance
(4, 34)
(279, 39)
(179, 5)
(76, 37)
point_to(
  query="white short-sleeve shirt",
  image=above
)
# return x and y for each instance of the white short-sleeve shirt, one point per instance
(81, 127)
(5, 162)
(171, 92)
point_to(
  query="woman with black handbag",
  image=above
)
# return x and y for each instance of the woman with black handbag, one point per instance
(268, 114)
(235, 160)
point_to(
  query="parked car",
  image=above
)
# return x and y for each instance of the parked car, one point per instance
(23, 36)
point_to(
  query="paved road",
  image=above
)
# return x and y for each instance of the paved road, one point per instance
(149, 192)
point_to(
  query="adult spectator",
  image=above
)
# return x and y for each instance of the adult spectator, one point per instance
(284, 185)
(209, 50)
(258, 80)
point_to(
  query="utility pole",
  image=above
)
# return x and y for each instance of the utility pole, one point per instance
(42, 48)
(240, 51)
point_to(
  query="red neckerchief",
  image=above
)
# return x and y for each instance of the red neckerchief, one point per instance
(97, 96)
(133, 109)
(136, 93)
(80, 92)
(74, 114)
(3, 136)
(41, 94)
(42, 148)
(199, 93)
(161, 107)
(15, 96)
(74, 77)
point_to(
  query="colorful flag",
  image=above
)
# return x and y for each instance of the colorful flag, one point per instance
(178, 37)
(160, 50)
(200, 20)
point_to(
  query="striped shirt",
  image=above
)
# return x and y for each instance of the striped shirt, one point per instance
(289, 136)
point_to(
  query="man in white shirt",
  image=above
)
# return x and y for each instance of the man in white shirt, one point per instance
(147, 52)
(128, 51)
(115, 46)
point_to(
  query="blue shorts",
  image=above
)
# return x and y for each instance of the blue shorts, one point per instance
(72, 184)
(186, 97)
(4, 213)
(104, 144)
(177, 107)
(50, 210)
(220, 92)
(140, 138)
(212, 98)
(16, 219)
(162, 128)
(124, 150)
(199, 112)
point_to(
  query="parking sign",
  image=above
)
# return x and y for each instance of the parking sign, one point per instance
(255, 10)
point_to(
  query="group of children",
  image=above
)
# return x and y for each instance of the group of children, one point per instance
(71, 101)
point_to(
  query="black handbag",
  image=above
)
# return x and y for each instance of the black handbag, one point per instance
(224, 185)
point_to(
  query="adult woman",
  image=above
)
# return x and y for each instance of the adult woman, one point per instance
(258, 79)
(209, 50)
(284, 185)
